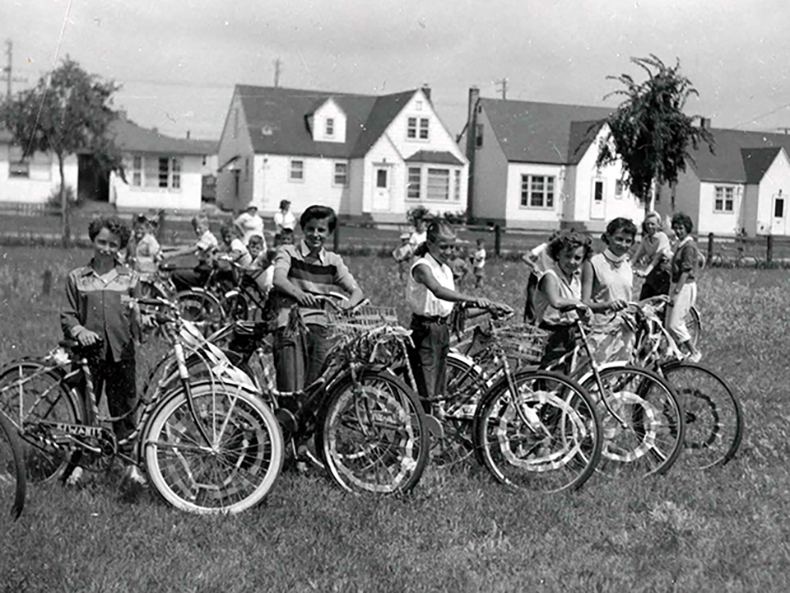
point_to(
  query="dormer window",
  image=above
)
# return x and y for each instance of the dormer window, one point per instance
(330, 127)
(418, 128)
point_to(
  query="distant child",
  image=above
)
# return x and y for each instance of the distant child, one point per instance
(235, 249)
(261, 270)
(304, 273)
(459, 265)
(431, 295)
(97, 314)
(683, 290)
(419, 235)
(204, 248)
(479, 264)
(538, 261)
(403, 254)
(147, 251)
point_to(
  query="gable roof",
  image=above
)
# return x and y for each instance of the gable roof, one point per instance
(129, 137)
(739, 156)
(550, 133)
(283, 113)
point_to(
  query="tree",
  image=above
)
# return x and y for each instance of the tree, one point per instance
(648, 132)
(68, 112)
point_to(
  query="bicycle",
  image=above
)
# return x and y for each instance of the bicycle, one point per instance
(13, 483)
(713, 413)
(367, 426)
(211, 446)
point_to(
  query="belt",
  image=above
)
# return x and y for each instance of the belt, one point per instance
(431, 319)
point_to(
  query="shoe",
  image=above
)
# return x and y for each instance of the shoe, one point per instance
(694, 356)
(75, 477)
(133, 475)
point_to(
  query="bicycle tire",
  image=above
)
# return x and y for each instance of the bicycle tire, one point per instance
(232, 475)
(694, 325)
(201, 308)
(638, 396)
(235, 306)
(30, 393)
(359, 455)
(552, 443)
(714, 417)
(13, 483)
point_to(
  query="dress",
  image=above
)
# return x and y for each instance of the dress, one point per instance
(284, 221)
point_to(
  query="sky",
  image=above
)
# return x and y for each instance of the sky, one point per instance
(178, 60)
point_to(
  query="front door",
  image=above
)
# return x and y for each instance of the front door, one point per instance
(598, 204)
(381, 188)
(779, 219)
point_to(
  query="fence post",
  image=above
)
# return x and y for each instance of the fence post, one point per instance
(46, 284)
(336, 244)
(497, 240)
(160, 226)
(769, 249)
(710, 247)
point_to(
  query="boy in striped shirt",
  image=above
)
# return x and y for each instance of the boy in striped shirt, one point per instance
(303, 273)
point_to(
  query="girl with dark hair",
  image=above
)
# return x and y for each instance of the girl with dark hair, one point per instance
(607, 278)
(683, 291)
(656, 250)
(431, 294)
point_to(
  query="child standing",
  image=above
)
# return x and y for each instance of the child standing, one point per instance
(304, 273)
(431, 294)
(607, 278)
(460, 266)
(403, 254)
(538, 261)
(479, 263)
(205, 249)
(98, 313)
(683, 291)
(147, 251)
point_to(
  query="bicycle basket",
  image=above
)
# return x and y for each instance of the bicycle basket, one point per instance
(361, 320)
(523, 341)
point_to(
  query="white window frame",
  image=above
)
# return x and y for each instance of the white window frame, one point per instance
(720, 195)
(344, 182)
(138, 170)
(412, 186)
(329, 130)
(424, 126)
(412, 126)
(293, 169)
(528, 189)
(175, 173)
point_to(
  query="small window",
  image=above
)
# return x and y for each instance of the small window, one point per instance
(411, 127)
(418, 106)
(381, 178)
(18, 167)
(176, 173)
(341, 174)
(236, 177)
(779, 208)
(618, 190)
(724, 201)
(478, 135)
(137, 170)
(297, 171)
(330, 127)
(164, 171)
(457, 186)
(413, 186)
(424, 123)
(599, 191)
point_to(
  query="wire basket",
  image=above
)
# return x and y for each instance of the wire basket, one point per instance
(523, 341)
(361, 320)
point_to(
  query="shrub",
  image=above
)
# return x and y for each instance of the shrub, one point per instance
(53, 200)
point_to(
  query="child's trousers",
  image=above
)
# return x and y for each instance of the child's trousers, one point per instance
(431, 338)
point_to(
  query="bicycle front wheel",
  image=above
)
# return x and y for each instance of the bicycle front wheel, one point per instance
(542, 433)
(230, 473)
(643, 425)
(372, 434)
(12, 469)
(714, 419)
(34, 397)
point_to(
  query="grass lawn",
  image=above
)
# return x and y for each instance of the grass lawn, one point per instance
(726, 529)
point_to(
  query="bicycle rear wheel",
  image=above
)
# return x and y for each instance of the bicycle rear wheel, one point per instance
(371, 434)
(34, 396)
(650, 436)
(230, 474)
(714, 419)
(12, 469)
(544, 435)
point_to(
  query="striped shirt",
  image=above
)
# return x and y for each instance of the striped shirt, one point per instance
(317, 274)
(101, 304)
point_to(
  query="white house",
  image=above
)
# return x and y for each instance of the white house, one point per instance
(742, 185)
(365, 156)
(533, 165)
(161, 172)
(34, 179)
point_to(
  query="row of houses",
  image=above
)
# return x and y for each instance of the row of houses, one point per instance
(516, 163)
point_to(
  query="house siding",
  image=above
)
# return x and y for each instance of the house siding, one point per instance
(43, 181)
(528, 217)
(687, 198)
(490, 178)
(775, 181)
(186, 198)
(709, 221)
(230, 146)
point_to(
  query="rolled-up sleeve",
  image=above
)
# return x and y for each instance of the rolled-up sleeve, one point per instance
(688, 259)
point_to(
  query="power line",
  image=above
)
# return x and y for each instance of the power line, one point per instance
(785, 106)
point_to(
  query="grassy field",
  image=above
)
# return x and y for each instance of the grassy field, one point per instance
(720, 530)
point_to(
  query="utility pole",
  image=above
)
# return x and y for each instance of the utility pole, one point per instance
(8, 70)
(502, 87)
(277, 64)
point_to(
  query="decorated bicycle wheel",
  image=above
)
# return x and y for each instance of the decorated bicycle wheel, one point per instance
(539, 433)
(224, 458)
(372, 435)
(12, 470)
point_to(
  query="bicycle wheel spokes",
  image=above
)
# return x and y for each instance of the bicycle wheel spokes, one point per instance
(544, 438)
(372, 436)
(12, 472)
(30, 394)
(229, 474)
(714, 421)
(646, 437)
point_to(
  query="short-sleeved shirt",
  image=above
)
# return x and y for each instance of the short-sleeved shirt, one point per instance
(658, 243)
(686, 259)
(479, 260)
(250, 224)
(206, 245)
(421, 300)
(284, 221)
(101, 305)
(544, 312)
(612, 280)
(243, 257)
(417, 238)
(316, 274)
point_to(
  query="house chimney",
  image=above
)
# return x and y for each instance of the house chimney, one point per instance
(471, 133)
(187, 134)
(426, 90)
(704, 123)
